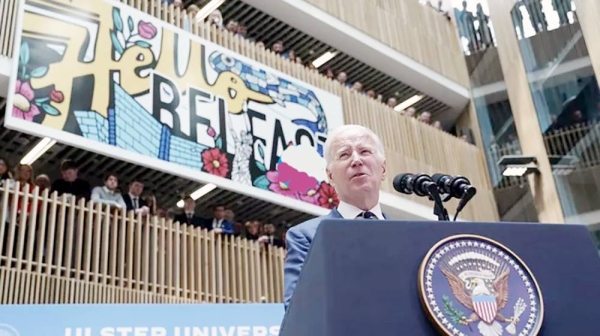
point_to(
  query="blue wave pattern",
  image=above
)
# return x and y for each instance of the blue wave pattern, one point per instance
(279, 89)
(131, 127)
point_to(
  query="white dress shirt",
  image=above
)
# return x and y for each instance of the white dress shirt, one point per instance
(349, 211)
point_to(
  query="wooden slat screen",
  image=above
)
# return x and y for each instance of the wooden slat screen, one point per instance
(56, 250)
(410, 146)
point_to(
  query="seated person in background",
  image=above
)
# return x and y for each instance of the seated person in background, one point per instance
(43, 182)
(108, 194)
(189, 216)
(133, 199)
(218, 222)
(70, 184)
(269, 236)
(253, 230)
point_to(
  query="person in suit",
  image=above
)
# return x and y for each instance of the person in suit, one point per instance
(133, 199)
(355, 166)
(188, 216)
(218, 222)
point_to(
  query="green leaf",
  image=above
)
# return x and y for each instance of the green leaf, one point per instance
(262, 182)
(143, 44)
(219, 142)
(42, 100)
(39, 72)
(117, 19)
(261, 151)
(130, 24)
(261, 166)
(116, 43)
(24, 54)
(51, 110)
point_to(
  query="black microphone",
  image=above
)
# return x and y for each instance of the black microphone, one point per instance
(455, 186)
(420, 184)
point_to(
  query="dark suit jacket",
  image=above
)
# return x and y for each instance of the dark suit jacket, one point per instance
(195, 221)
(129, 202)
(298, 240)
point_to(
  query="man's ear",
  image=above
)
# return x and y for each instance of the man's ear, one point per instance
(384, 169)
(329, 176)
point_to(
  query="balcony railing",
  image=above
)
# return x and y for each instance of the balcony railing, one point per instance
(408, 27)
(410, 145)
(56, 250)
(580, 142)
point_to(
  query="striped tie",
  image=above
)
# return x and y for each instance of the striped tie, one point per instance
(367, 215)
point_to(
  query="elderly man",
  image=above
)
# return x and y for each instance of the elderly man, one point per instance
(355, 163)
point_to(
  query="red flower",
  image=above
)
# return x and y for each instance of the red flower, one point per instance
(57, 96)
(328, 198)
(215, 162)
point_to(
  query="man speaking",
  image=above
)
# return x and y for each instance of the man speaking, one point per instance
(355, 163)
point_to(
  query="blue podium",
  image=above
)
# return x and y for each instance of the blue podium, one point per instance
(362, 278)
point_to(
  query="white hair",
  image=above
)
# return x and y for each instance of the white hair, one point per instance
(350, 131)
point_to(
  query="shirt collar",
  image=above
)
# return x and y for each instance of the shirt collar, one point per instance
(108, 190)
(349, 211)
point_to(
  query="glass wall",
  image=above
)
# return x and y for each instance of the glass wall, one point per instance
(499, 136)
(565, 92)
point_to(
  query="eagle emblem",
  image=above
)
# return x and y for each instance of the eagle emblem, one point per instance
(471, 285)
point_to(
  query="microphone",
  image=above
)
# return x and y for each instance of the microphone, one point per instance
(419, 184)
(455, 186)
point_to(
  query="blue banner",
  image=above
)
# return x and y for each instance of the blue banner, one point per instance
(141, 320)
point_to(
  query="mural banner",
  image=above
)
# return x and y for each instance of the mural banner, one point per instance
(141, 320)
(106, 77)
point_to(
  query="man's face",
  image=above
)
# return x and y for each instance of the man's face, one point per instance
(189, 205)
(219, 212)
(69, 175)
(355, 166)
(269, 229)
(111, 183)
(136, 188)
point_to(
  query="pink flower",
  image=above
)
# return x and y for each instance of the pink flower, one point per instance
(299, 182)
(211, 132)
(312, 197)
(146, 30)
(277, 186)
(23, 106)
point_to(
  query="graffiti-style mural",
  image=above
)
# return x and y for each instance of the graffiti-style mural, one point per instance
(104, 71)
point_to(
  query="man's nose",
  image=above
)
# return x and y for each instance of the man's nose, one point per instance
(356, 159)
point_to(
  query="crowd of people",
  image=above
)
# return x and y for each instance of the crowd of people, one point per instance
(110, 193)
(216, 18)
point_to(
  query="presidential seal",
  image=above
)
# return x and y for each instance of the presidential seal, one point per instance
(472, 285)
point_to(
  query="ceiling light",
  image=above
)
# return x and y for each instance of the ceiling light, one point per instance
(518, 165)
(199, 193)
(326, 57)
(37, 151)
(409, 102)
(208, 9)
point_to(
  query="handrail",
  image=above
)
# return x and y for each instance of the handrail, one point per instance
(63, 251)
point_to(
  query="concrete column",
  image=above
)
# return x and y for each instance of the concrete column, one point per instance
(544, 190)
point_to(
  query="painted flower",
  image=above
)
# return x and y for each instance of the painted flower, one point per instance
(57, 96)
(215, 162)
(328, 198)
(24, 108)
(299, 182)
(312, 197)
(211, 132)
(278, 186)
(146, 30)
